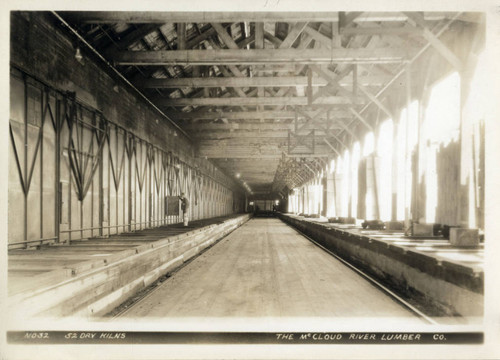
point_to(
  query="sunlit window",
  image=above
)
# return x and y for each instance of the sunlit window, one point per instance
(442, 116)
(345, 183)
(384, 151)
(441, 126)
(332, 166)
(407, 140)
(354, 176)
(368, 144)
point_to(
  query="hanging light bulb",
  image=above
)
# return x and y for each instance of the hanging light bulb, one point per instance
(78, 55)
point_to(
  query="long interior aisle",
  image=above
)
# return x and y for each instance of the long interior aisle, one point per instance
(266, 269)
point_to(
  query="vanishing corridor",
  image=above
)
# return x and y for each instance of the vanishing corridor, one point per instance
(266, 269)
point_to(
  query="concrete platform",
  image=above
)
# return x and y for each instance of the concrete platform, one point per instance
(446, 276)
(265, 269)
(90, 277)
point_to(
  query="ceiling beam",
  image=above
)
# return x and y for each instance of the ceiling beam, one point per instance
(226, 38)
(255, 134)
(332, 147)
(255, 101)
(161, 17)
(181, 36)
(293, 34)
(361, 118)
(417, 21)
(378, 30)
(130, 38)
(263, 56)
(246, 115)
(252, 127)
(286, 81)
(374, 99)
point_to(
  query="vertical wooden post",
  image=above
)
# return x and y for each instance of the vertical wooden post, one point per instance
(395, 151)
(407, 145)
(181, 36)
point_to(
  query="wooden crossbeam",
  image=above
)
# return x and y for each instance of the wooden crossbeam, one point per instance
(262, 56)
(372, 30)
(202, 37)
(346, 128)
(325, 127)
(251, 101)
(259, 35)
(162, 17)
(310, 118)
(226, 38)
(417, 20)
(181, 36)
(319, 37)
(361, 118)
(293, 34)
(332, 147)
(376, 101)
(131, 38)
(250, 127)
(247, 115)
(244, 134)
(339, 140)
(284, 81)
(332, 80)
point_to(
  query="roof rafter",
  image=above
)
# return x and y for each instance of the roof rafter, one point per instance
(263, 56)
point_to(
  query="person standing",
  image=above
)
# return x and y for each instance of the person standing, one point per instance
(184, 206)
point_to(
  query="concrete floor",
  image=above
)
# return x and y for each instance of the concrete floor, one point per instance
(266, 269)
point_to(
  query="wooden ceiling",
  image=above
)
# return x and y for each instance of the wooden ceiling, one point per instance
(270, 97)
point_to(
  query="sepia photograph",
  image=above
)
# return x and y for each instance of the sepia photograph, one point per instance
(271, 180)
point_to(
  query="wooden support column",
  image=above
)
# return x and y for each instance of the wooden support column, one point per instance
(395, 151)
(330, 205)
(337, 190)
(181, 36)
(465, 153)
(259, 44)
(407, 196)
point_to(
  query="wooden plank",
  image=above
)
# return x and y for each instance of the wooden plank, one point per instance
(202, 37)
(372, 30)
(162, 17)
(249, 101)
(361, 118)
(226, 38)
(319, 37)
(265, 148)
(418, 21)
(181, 36)
(249, 127)
(197, 82)
(248, 115)
(293, 34)
(332, 80)
(259, 35)
(131, 38)
(263, 56)
(375, 100)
